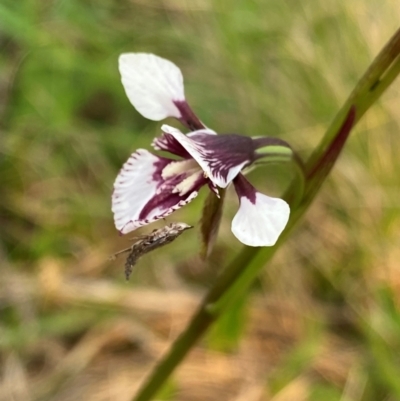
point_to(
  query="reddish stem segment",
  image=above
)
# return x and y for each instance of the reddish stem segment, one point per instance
(325, 163)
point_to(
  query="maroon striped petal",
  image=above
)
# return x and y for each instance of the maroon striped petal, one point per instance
(169, 144)
(222, 157)
(149, 188)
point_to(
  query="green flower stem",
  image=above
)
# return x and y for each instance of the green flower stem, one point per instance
(236, 278)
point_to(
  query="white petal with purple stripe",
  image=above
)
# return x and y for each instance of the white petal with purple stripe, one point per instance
(149, 188)
(152, 84)
(221, 157)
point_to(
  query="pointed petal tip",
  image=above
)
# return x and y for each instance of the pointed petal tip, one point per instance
(213, 153)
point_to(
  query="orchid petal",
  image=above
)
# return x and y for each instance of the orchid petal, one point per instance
(153, 85)
(142, 195)
(169, 144)
(260, 219)
(222, 157)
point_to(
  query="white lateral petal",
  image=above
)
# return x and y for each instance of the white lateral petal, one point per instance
(141, 196)
(133, 188)
(169, 144)
(262, 222)
(152, 84)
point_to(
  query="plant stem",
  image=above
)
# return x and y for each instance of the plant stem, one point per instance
(241, 272)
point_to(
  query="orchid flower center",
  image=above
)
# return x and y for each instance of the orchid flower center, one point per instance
(179, 167)
(191, 171)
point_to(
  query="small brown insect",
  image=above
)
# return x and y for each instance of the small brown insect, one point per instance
(146, 243)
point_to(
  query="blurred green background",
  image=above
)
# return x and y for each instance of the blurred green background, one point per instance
(323, 320)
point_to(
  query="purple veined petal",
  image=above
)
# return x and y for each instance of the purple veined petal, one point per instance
(260, 219)
(168, 143)
(149, 188)
(153, 85)
(222, 157)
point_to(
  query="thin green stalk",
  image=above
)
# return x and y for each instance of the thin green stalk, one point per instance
(241, 272)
